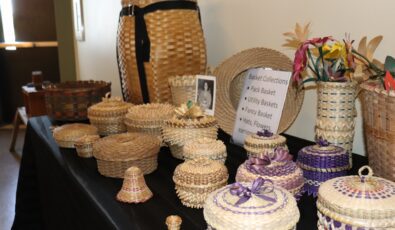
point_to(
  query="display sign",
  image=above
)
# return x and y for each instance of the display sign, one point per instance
(261, 103)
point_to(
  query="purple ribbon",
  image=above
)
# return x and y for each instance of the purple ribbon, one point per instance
(265, 133)
(257, 164)
(259, 188)
(322, 142)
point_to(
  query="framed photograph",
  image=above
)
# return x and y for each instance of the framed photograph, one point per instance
(78, 20)
(206, 93)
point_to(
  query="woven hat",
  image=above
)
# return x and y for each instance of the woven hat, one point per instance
(66, 135)
(357, 202)
(320, 163)
(263, 142)
(108, 115)
(84, 145)
(277, 167)
(183, 88)
(195, 179)
(257, 205)
(205, 148)
(173, 222)
(118, 152)
(134, 189)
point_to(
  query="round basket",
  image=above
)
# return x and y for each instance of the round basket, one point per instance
(117, 153)
(108, 115)
(196, 179)
(67, 135)
(205, 148)
(261, 144)
(183, 88)
(69, 101)
(148, 118)
(84, 145)
(230, 79)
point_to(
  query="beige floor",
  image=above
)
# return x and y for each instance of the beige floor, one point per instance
(9, 168)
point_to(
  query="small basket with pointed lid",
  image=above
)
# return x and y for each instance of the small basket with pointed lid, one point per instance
(67, 135)
(84, 145)
(118, 152)
(205, 148)
(195, 179)
(108, 115)
(356, 202)
(188, 123)
(263, 143)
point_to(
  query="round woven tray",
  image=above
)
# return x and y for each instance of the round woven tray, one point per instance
(230, 79)
(183, 88)
(118, 152)
(67, 135)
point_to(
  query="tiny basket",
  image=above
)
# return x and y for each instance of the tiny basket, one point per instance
(118, 152)
(263, 143)
(195, 179)
(173, 222)
(84, 145)
(67, 135)
(183, 88)
(356, 202)
(205, 148)
(108, 115)
(69, 101)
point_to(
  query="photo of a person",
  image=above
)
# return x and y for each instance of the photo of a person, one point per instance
(205, 96)
(206, 93)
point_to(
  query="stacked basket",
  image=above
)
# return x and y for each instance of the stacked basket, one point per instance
(183, 88)
(205, 148)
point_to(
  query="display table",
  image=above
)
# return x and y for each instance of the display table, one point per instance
(59, 190)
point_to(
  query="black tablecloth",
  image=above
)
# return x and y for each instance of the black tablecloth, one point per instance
(59, 190)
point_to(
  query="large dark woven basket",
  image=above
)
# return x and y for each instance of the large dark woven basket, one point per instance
(69, 101)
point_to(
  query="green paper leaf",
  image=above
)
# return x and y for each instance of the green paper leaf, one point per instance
(189, 104)
(389, 64)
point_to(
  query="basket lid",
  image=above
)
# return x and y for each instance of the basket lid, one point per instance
(264, 139)
(204, 147)
(126, 146)
(153, 114)
(182, 81)
(200, 172)
(362, 200)
(87, 139)
(110, 106)
(71, 132)
(257, 205)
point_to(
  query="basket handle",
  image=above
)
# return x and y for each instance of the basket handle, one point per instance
(364, 177)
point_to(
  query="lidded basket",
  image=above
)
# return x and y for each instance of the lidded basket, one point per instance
(67, 135)
(195, 179)
(277, 167)
(356, 202)
(263, 143)
(205, 148)
(84, 145)
(257, 205)
(108, 115)
(118, 152)
(183, 88)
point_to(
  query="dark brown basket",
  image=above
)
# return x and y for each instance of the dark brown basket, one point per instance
(69, 101)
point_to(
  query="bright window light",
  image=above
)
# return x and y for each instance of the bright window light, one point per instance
(8, 22)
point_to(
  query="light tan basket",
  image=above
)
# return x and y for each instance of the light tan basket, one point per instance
(195, 179)
(205, 148)
(118, 152)
(356, 202)
(108, 115)
(66, 135)
(84, 145)
(134, 189)
(148, 118)
(183, 88)
(378, 115)
(173, 222)
(222, 212)
(336, 113)
(177, 47)
(259, 145)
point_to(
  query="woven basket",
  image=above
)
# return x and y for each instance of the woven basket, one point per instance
(173, 222)
(183, 89)
(259, 145)
(69, 101)
(356, 202)
(118, 152)
(336, 113)
(197, 178)
(279, 213)
(108, 115)
(134, 189)
(205, 148)
(230, 79)
(177, 131)
(177, 47)
(84, 145)
(378, 113)
(67, 135)
(148, 118)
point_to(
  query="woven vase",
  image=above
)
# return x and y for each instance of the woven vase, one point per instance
(176, 47)
(336, 113)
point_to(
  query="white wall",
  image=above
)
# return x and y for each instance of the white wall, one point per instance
(233, 25)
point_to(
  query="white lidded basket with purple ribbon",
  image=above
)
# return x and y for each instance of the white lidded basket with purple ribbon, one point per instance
(356, 203)
(278, 167)
(256, 205)
(263, 142)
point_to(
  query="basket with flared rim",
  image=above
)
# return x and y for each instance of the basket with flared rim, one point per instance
(66, 135)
